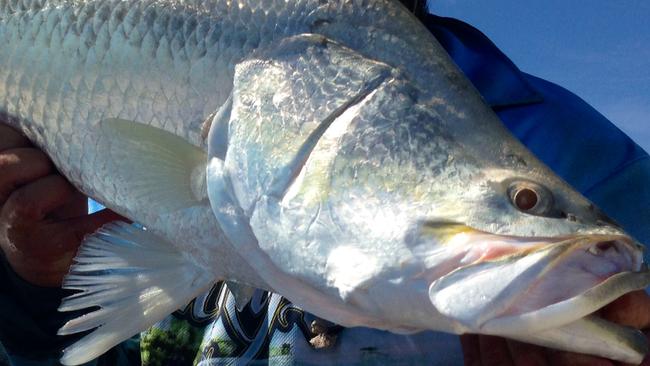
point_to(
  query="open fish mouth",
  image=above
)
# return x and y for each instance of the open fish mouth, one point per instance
(579, 277)
(573, 324)
(545, 291)
(565, 278)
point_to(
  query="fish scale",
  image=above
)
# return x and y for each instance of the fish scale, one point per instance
(69, 93)
(345, 144)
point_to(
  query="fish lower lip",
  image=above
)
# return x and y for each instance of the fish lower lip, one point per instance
(596, 336)
(632, 338)
(563, 312)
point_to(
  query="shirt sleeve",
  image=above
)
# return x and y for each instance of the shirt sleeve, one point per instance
(625, 196)
(29, 318)
(29, 321)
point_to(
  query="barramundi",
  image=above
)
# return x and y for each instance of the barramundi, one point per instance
(329, 151)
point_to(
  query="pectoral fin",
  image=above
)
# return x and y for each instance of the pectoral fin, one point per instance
(161, 169)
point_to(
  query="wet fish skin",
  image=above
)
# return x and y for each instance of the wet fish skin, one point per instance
(67, 66)
(74, 74)
(407, 193)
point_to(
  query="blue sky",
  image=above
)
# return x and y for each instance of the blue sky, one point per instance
(598, 49)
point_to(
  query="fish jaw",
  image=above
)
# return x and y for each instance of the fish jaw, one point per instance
(544, 293)
(533, 279)
(595, 336)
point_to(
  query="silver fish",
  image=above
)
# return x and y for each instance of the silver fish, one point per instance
(326, 150)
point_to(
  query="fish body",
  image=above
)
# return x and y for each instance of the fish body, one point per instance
(326, 150)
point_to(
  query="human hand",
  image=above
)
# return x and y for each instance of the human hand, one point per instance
(631, 310)
(43, 218)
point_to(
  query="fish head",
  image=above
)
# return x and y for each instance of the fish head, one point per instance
(533, 239)
(535, 267)
(372, 202)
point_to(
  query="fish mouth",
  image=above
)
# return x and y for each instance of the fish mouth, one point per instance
(546, 291)
(578, 277)
(574, 324)
(534, 284)
(575, 307)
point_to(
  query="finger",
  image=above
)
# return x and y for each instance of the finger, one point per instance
(88, 224)
(73, 231)
(524, 354)
(35, 200)
(632, 310)
(11, 139)
(76, 206)
(562, 358)
(20, 166)
(494, 351)
(471, 350)
(51, 248)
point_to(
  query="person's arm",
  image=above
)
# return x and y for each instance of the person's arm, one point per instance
(42, 222)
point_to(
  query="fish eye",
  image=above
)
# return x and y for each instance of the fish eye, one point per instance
(531, 198)
(525, 199)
